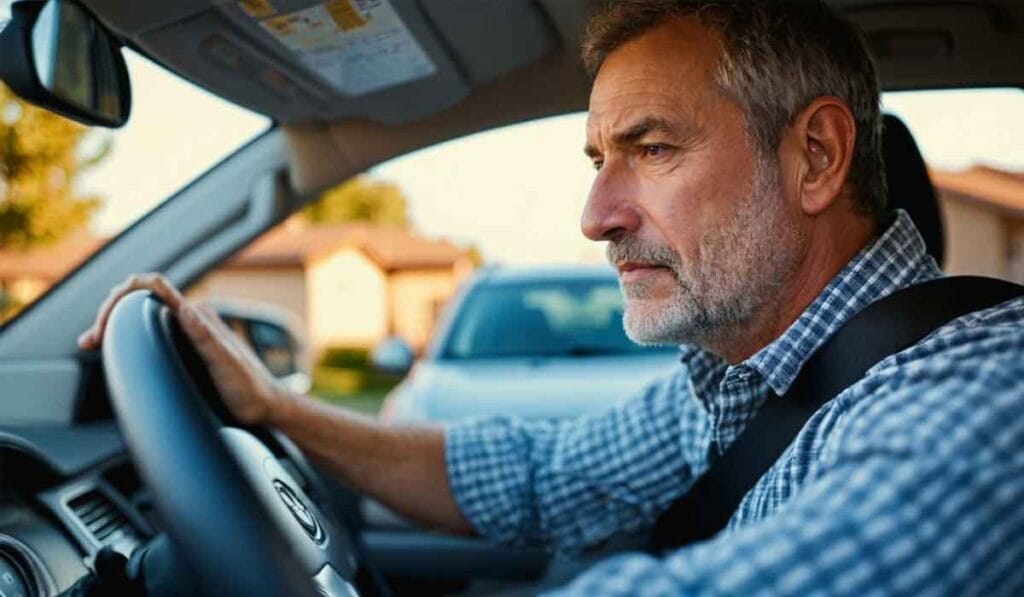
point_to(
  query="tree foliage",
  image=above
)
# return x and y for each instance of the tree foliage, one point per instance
(360, 199)
(40, 159)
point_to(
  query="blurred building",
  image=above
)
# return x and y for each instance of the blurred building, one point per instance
(354, 284)
(25, 275)
(350, 285)
(984, 216)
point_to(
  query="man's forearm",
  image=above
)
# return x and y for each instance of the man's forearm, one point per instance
(402, 466)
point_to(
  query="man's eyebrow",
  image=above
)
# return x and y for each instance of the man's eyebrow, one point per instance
(644, 127)
(637, 131)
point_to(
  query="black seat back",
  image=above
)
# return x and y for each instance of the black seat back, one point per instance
(909, 186)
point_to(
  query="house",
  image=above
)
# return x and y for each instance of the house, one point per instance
(354, 284)
(349, 285)
(983, 210)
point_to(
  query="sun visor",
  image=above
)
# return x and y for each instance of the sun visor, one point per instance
(389, 61)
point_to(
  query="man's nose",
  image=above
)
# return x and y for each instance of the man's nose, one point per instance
(609, 211)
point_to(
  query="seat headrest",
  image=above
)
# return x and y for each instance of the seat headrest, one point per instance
(909, 186)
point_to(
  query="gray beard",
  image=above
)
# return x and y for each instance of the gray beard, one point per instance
(739, 269)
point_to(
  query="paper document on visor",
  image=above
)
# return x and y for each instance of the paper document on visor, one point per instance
(358, 46)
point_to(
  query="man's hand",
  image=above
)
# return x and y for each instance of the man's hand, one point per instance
(403, 467)
(244, 384)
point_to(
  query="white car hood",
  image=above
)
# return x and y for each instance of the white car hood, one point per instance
(529, 388)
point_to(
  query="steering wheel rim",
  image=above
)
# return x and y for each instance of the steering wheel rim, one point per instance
(237, 518)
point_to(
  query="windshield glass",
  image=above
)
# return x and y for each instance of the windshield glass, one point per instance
(66, 189)
(570, 318)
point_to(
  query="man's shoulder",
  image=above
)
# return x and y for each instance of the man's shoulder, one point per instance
(992, 333)
(1008, 315)
(979, 335)
(995, 334)
(963, 381)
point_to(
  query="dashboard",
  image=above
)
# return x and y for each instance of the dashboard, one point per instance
(65, 493)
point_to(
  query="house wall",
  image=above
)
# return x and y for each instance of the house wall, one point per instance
(344, 299)
(977, 239)
(417, 297)
(347, 301)
(1016, 265)
(283, 287)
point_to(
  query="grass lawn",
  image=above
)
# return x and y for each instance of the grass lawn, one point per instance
(350, 388)
(366, 401)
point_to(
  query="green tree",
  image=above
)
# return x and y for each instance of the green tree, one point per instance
(360, 199)
(40, 159)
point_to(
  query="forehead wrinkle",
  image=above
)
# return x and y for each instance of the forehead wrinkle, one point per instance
(682, 133)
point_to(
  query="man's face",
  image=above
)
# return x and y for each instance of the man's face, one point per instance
(695, 218)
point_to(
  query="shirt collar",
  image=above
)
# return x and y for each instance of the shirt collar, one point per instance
(896, 259)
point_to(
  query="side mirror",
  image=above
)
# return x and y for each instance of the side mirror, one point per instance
(392, 355)
(59, 57)
(273, 342)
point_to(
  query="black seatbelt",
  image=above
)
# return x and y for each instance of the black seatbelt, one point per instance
(885, 327)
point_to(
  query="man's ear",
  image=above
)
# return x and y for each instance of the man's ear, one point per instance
(822, 142)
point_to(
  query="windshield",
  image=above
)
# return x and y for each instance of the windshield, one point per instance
(66, 189)
(571, 318)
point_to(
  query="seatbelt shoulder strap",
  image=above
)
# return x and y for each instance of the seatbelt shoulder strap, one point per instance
(887, 326)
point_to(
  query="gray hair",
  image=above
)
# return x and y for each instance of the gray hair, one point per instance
(778, 57)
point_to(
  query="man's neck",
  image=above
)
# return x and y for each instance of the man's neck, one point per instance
(828, 250)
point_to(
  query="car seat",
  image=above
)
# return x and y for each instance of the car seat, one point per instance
(909, 186)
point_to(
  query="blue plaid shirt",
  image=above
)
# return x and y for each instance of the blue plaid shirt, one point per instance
(909, 482)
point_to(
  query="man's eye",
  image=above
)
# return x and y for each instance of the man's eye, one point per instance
(653, 151)
(597, 164)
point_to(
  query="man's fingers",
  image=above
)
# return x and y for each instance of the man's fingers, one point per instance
(155, 283)
(204, 335)
(96, 332)
(91, 337)
(218, 322)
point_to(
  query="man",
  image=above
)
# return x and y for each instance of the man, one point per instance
(740, 188)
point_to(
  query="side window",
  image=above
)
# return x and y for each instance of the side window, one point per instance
(976, 163)
(377, 257)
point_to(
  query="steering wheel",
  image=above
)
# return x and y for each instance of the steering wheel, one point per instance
(238, 518)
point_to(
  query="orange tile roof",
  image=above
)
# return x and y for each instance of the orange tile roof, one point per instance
(294, 244)
(1001, 190)
(49, 263)
(287, 245)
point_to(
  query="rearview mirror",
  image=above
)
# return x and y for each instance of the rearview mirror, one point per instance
(59, 57)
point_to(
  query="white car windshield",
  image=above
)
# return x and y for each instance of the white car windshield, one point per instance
(560, 318)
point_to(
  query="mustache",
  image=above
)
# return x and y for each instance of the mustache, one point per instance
(631, 248)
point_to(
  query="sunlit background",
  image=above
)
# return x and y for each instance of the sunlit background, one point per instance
(516, 193)
(504, 197)
(485, 189)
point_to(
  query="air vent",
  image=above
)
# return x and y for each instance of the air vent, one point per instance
(104, 522)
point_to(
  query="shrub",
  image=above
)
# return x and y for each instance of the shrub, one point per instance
(345, 358)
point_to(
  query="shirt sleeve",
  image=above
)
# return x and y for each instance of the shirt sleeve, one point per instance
(569, 485)
(921, 495)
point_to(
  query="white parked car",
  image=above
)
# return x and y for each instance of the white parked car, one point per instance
(531, 342)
